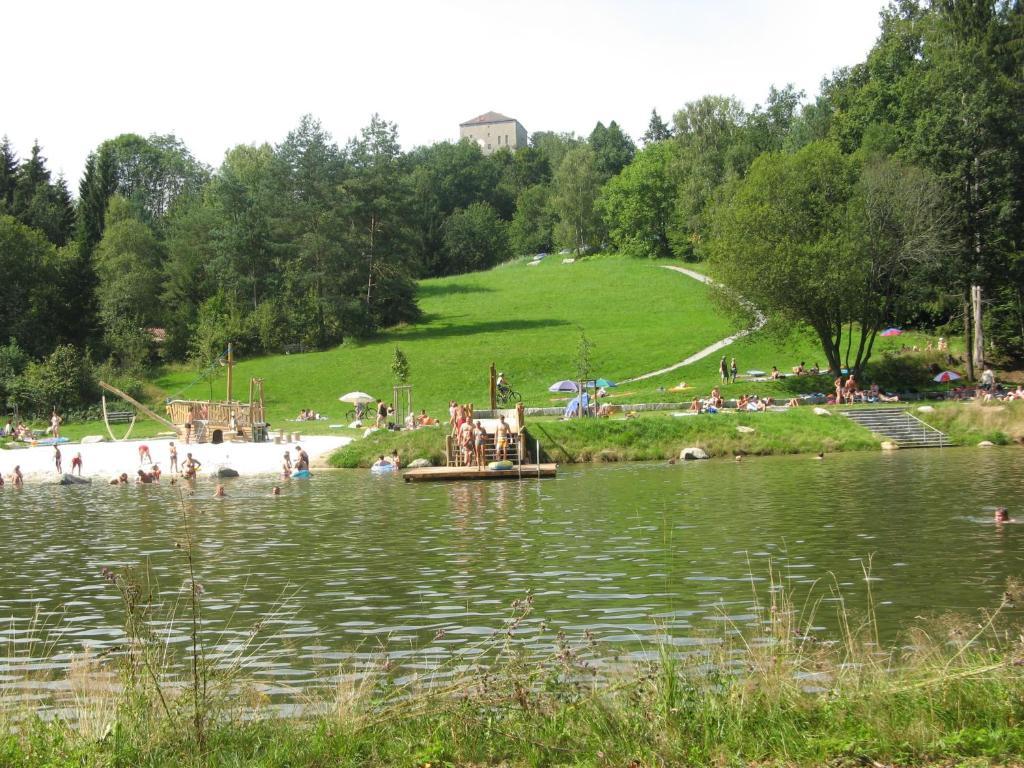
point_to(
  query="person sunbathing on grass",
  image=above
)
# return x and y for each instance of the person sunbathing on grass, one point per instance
(716, 398)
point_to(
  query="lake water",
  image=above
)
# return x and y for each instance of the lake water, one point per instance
(349, 566)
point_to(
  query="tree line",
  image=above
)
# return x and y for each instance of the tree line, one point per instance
(882, 200)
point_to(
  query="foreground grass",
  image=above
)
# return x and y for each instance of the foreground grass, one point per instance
(772, 695)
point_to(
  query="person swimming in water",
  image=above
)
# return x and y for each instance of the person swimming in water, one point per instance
(219, 493)
(1003, 516)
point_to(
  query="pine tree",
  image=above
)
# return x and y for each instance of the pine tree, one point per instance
(65, 211)
(98, 183)
(8, 175)
(32, 175)
(657, 130)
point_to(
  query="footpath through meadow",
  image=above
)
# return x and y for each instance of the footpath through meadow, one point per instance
(759, 321)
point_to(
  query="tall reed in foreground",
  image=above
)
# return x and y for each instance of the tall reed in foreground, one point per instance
(773, 690)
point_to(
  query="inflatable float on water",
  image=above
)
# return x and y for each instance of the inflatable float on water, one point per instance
(301, 474)
(382, 467)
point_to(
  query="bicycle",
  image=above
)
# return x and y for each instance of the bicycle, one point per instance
(355, 414)
(507, 395)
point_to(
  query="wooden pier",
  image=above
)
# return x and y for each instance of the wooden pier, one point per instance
(524, 471)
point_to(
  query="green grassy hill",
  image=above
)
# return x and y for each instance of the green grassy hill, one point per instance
(526, 319)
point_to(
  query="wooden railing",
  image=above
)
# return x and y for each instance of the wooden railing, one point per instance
(184, 411)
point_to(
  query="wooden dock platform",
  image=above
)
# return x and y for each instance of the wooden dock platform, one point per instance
(527, 471)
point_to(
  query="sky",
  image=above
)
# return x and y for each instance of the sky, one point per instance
(221, 73)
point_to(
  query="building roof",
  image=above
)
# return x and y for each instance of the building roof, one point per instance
(489, 117)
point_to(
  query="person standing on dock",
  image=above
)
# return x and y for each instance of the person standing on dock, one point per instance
(466, 441)
(479, 444)
(501, 438)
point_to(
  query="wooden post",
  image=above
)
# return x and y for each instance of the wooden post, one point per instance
(492, 388)
(978, 347)
(231, 362)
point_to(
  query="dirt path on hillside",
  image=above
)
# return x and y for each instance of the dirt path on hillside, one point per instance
(759, 321)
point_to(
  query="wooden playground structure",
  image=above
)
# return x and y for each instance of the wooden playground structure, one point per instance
(207, 421)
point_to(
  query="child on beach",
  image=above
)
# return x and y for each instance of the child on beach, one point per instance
(56, 460)
(76, 463)
(144, 457)
(172, 466)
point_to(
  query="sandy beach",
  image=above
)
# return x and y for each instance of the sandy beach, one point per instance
(103, 461)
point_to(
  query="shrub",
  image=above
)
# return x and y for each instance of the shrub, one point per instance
(64, 380)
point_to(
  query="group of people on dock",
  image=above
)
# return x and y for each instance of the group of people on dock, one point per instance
(472, 440)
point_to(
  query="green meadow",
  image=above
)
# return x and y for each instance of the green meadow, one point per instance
(528, 320)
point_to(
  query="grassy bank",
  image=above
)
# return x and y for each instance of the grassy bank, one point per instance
(425, 443)
(657, 436)
(649, 436)
(767, 693)
(661, 436)
(970, 423)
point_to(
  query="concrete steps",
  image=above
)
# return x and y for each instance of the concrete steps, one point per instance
(900, 426)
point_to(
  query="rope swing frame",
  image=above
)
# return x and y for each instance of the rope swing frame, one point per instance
(106, 422)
